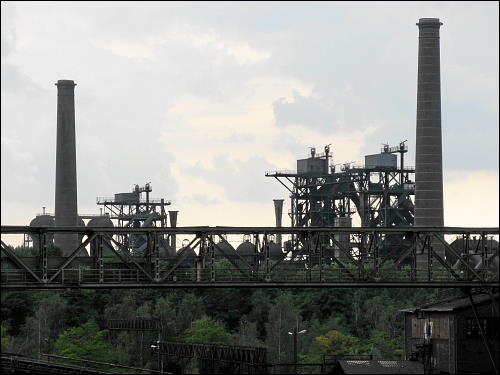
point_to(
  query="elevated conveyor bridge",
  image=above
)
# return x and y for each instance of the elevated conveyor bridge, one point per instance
(311, 257)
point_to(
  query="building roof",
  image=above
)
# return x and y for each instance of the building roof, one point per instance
(451, 304)
(379, 367)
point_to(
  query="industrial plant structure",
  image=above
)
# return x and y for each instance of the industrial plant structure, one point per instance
(382, 193)
(400, 241)
(127, 209)
(378, 194)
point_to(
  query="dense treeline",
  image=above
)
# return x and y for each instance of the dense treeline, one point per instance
(337, 321)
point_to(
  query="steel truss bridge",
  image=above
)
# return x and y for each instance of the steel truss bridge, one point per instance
(250, 360)
(321, 257)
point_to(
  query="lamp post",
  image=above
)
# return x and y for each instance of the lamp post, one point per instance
(157, 347)
(295, 333)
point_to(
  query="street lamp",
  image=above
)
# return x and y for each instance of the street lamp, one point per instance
(157, 347)
(295, 333)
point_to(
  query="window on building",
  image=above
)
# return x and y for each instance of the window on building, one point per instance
(472, 327)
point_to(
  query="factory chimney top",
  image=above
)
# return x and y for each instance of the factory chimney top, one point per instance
(65, 82)
(428, 22)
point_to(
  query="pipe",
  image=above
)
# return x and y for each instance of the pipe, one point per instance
(278, 211)
(173, 223)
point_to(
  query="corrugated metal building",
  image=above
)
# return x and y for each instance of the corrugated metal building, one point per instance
(377, 367)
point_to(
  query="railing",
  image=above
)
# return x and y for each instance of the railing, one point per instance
(387, 149)
(45, 214)
(85, 363)
(25, 365)
(223, 353)
(280, 172)
(341, 169)
(111, 200)
(88, 277)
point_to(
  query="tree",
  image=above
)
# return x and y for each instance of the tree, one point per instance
(165, 311)
(247, 334)
(261, 304)
(207, 331)
(86, 342)
(336, 343)
(227, 304)
(16, 307)
(5, 337)
(382, 345)
(284, 316)
(190, 309)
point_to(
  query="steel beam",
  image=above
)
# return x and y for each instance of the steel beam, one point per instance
(18, 261)
(243, 274)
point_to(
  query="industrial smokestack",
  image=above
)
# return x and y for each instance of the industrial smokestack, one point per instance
(278, 211)
(173, 224)
(66, 211)
(428, 151)
(428, 163)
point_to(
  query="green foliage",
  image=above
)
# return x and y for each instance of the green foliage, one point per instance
(16, 307)
(207, 331)
(284, 316)
(227, 305)
(336, 343)
(359, 321)
(381, 345)
(86, 342)
(247, 334)
(5, 336)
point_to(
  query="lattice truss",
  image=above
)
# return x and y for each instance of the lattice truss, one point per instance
(336, 257)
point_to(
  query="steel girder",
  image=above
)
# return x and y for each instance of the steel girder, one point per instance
(220, 353)
(326, 259)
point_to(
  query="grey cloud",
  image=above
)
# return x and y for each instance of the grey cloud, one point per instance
(309, 112)
(12, 78)
(8, 31)
(245, 182)
(14, 81)
(8, 41)
(285, 142)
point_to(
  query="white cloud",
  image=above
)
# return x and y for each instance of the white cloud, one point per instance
(471, 198)
(133, 50)
(241, 51)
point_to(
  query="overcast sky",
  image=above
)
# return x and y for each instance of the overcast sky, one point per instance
(200, 99)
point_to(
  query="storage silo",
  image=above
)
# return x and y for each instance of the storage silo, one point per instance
(226, 249)
(275, 252)
(247, 251)
(43, 221)
(189, 259)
